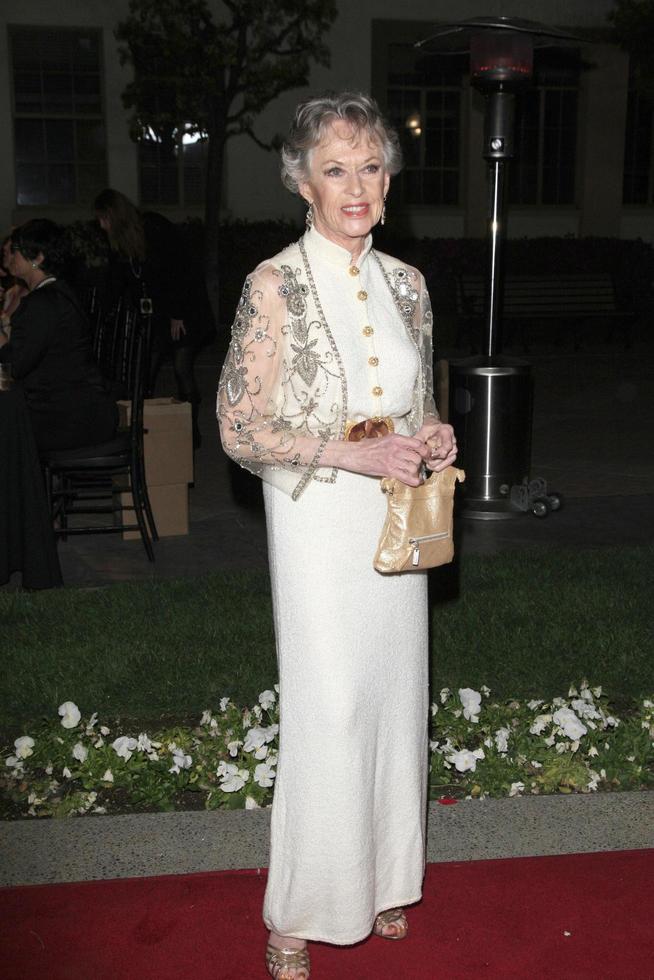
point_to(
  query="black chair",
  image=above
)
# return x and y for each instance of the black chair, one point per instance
(96, 479)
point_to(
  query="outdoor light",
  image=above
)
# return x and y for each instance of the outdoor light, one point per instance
(491, 395)
(414, 124)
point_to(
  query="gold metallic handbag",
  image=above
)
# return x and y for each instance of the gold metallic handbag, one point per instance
(417, 532)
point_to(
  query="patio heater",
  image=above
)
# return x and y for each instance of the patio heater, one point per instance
(491, 394)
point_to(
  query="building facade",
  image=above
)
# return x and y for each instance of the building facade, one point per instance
(585, 163)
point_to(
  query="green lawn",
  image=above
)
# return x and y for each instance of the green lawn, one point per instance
(525, 624)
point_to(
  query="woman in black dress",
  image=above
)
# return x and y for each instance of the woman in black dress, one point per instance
(50, 347)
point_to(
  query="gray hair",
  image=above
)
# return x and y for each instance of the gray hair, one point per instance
(312, 119)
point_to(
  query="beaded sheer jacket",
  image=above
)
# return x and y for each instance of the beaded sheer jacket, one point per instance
(283, 389)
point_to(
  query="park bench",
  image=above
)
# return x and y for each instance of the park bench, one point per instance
(568, 302)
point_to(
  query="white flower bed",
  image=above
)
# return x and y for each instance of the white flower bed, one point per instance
(479, 747)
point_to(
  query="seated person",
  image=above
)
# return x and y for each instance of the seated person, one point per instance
(50, 348)
(11, 290)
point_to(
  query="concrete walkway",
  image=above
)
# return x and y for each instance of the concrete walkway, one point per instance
(135, 845)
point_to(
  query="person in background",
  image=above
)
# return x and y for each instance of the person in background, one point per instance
(70, 404)
(331, 341)
(150, 264)
(12, 290)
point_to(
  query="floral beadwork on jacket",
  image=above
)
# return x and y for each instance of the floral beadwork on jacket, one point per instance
(283, 393)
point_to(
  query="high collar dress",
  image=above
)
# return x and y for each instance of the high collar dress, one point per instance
(348, 818)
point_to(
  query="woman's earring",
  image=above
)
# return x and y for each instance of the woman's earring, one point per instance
(383, 214)
(309, 215)
(35, 265)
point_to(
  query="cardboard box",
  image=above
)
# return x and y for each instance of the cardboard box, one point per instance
(168, 451)
(168, 440)
(170, 509)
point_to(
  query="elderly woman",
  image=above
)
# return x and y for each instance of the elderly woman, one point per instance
(50, 352)
(330, 334)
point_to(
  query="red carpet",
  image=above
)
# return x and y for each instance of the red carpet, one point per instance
(568, 917)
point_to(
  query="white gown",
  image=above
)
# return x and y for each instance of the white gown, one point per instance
(348, 818)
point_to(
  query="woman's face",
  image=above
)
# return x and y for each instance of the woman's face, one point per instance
(104, 221)
(347, 185)
(16, 263)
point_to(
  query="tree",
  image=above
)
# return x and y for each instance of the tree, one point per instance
(197, 75)
(633, 30)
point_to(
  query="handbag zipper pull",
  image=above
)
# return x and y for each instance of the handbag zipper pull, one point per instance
(416, 554)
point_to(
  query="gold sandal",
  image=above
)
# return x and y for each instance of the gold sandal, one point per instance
(280, 961)
(392, 917)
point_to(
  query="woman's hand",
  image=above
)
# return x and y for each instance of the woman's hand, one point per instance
(177, 329)
(400, 457)
(440, 441)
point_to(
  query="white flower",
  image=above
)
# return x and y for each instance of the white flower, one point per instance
(267, 699)
(485, 691)
(465, 761)
(181, 760)
(558, 702)
(532, 705)
(143, 743)
(445, 694)
(516, 789)
(251, 803)
(471, 701)
(104, 730)
(80, 752)
(502, 739)
(536, 765)
(233, 747)
(434, 709)
(108, 776)
(124, 747)
(539, 724)
(223, 703)
(584, 708)
(264, 774)
(257, 712)
(573, 692)
(610, 720)
(206, 717)
(70, 714)
(91, 723)
(597, 691)
(99, 742)
(261, 753)
(66, 773)
(549, 741)
(12, 761)
(24, 746)
(593, 782)
(258, 736)
(234, 779)
(48, 769)
(569, 724)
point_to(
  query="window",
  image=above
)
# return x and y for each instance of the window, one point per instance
(172, 170)
(423, 100)
(638, 185)
(544, 168)
(59, 135)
